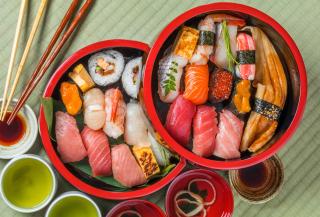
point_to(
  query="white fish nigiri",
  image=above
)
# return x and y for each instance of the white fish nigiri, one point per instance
(94, 113)
(131, 77)
(205, 42)
(136, 131)
(115, 113)
(169, 75)
(106, 67)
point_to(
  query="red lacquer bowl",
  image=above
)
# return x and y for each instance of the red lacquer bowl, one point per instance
(291, 60)
(223, 205)
(143, 207)
(76, 180)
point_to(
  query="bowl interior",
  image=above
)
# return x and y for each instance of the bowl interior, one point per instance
(286, 57)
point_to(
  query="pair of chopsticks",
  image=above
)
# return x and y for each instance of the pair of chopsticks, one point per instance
(45, 63)
(6, 100)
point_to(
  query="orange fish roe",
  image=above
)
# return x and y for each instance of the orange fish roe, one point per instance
(220, 86)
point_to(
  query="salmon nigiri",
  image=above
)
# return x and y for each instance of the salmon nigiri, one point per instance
(196, 84)
(115, 113)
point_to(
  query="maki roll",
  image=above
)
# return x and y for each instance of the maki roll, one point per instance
(106, 67)
(220, 85)
(131, 77)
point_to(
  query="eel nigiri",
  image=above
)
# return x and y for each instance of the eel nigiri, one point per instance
(205, 42)
(125, 168)
(179, 119)
(246, 67)
(229, 136)
(205, 130)
(94, 112)
(196, 83)
(131, 77)
(115, 113)
(220, 85)
(97, 145)
(69, 142)
(136, 131)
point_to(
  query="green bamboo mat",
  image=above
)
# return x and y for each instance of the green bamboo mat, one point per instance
(142, 20)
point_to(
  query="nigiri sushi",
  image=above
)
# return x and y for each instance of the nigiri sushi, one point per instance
(229, 136)
(69, 142)
(97, 145)
(125, 168)
(131, 77)
(94, 111)
(220, 85)
(205, 42)
(205, 130)
(136, 131)
(186, 42)
(70, 97)
(115, 113)
(179, 119)
(196, 84)
(106, 67)
(241, 97)
(246, 67)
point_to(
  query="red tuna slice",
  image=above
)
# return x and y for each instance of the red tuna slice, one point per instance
(204, 130)
(125, 167)
(97, 145)
(179, 119)
(229, 136)
(70, 145)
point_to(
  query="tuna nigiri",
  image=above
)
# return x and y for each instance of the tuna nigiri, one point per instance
(115, 113)
(136, 131)
(97, 145)
(229, 136)
(125, 167)
(204, 130)
(246, 67)
(179, 119)
(196, 83)
(69, 142)
(94, 113)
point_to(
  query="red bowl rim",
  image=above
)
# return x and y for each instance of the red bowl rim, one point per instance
(201, 171)
(152, 205)
(236, 164)
(54, 158)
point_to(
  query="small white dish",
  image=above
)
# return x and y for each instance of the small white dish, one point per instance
(43, 203)
(72, 194)
(29, 138)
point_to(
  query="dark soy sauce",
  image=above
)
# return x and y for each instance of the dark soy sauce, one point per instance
(13, 133)
(254, 176)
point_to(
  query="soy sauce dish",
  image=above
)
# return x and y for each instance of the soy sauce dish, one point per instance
(94, 128)
(226, 86)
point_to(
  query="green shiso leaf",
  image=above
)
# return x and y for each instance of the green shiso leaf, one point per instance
(47, 105)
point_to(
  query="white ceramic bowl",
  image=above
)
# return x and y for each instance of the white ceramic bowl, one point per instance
(27, 141)
(41, 205)
(72, 194)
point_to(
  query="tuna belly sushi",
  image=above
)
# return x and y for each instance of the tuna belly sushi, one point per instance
(204, 130)
(179, 119)
(136, 131)
(125, 167)
(131, 77)
(69, 142)
(115, 113)
(94, 113)
(97, 145)
(106, 67)
(229, 136)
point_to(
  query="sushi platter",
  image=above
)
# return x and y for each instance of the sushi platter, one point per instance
(223, 87)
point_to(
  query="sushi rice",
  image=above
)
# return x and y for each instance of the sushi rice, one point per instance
(131, 77)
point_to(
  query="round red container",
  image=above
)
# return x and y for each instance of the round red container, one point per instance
(291, 58)
(52, 154)
(223, 205)
(145, 208)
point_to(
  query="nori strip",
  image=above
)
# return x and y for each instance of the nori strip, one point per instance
(267, 109)
(206, 38)
(246, 57)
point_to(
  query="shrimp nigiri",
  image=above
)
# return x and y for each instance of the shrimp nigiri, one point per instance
(94, 113)
(196, 84)
(115, 113)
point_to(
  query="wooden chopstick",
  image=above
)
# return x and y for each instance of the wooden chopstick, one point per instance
(54, 54)
(26, 93)
(25, 54)
(13, 53)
